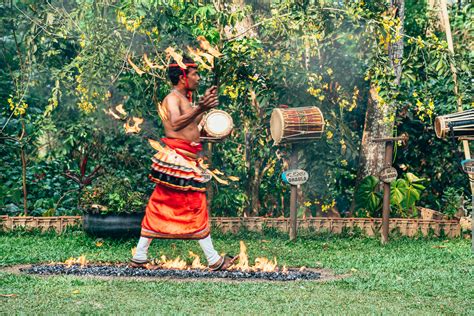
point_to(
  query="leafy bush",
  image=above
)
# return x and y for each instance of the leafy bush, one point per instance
(453, 202)
(404, 193)
(112, 194)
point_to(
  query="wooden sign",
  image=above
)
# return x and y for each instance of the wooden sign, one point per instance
(468, 166)
(388, 175)
(295, 176)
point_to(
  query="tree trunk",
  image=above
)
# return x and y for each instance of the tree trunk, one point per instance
(23, 166)
(23, 178)
(377, 123)
(372, 154)
(255, 193)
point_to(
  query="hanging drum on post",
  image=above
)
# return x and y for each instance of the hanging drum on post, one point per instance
(296, 124)
(460, 124)
(217, 125)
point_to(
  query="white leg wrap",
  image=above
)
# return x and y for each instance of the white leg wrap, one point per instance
(211, 254)
(142, 249)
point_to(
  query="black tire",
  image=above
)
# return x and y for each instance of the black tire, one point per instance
(113, 225)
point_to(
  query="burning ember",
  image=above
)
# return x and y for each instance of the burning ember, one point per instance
(178, 268)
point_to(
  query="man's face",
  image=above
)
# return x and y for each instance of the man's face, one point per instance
(193, 79)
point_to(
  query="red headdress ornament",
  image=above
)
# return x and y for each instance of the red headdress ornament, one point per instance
(189, 93)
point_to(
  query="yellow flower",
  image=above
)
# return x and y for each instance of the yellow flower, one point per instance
(329, 135)
(415, 94)
(419, 42)
(232, 92)
(329, 71)
(307, 203)
(10, 102)
(86, 106)
(431, 104)
(321, 97)
(313, 91)
(82, 42)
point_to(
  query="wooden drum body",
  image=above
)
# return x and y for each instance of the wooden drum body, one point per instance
(296, 124)
(461, 124)
(217, 125)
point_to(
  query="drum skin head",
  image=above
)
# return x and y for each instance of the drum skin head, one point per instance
(440, 127)
(218, 124)
(277, 125)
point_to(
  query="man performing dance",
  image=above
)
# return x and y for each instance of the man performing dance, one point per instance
(177, 209)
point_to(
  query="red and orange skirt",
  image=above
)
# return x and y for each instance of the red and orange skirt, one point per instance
(177, 208)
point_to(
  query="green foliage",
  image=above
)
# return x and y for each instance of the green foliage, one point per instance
(112, 194)
(454, 202)
(404, 194)
(66, 65)
(369, 198)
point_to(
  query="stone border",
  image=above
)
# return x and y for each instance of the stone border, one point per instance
(370, 226)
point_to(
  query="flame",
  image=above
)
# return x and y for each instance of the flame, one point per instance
(152, 65)
(243, 259)
(119, 108)
(80, 260)
(196, 55)
(265, 265)
(162, 111)
(262, 264)
(176, 56)
(135, 67)
(209, 58)
(196, 262)
(217, 172)
(111, 113)
(133, 128)
(177, 263)
(207, 46)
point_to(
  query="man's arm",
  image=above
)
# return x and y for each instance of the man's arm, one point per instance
(179, 121)
(199, 118)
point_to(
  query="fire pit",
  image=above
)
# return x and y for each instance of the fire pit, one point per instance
(263, 269)
(123, 270)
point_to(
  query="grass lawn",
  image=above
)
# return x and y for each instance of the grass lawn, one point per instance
(424, 276)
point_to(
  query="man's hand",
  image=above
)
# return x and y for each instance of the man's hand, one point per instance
(209, 100)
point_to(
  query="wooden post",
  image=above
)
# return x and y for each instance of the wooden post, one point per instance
(387, 179)
(210, 193)
(386, 194)
(294, 195)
